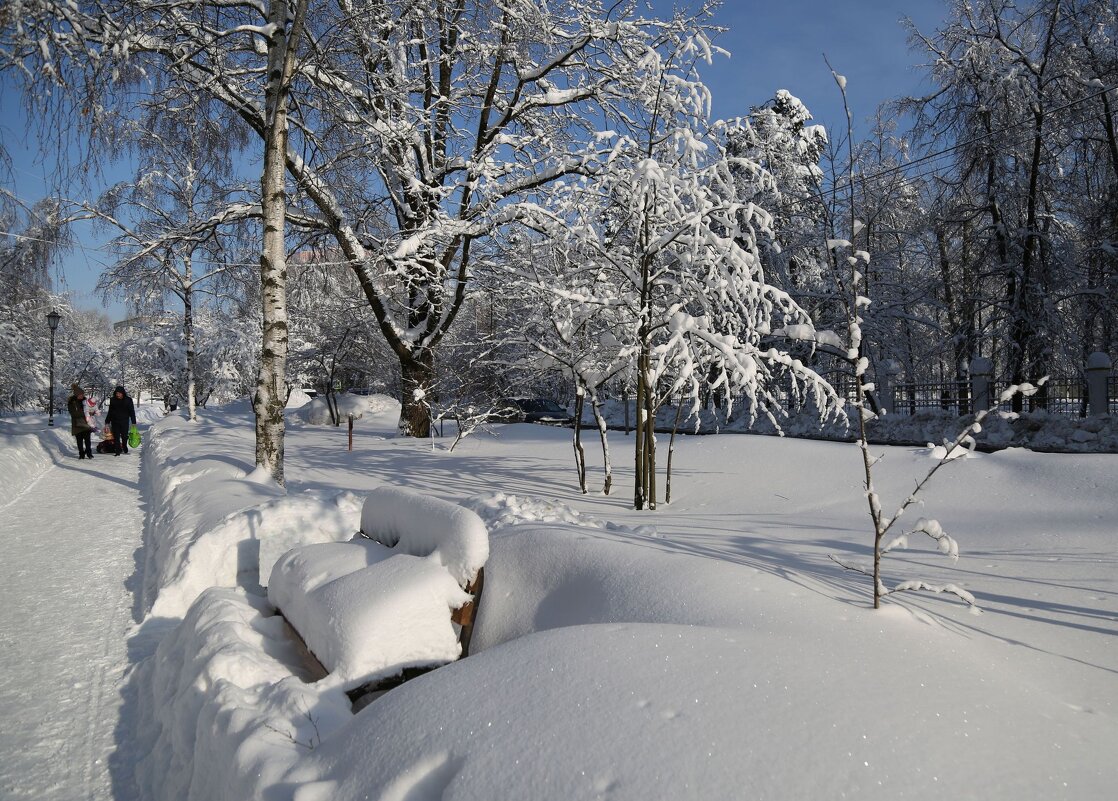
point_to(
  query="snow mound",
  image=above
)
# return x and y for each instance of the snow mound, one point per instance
(227, 704)
(369, 608)
(421, 525)
(26, 449)
(297, 399)
(243, 547)
(317, 413)
(217, 523)
(366, 611)
(632, 711)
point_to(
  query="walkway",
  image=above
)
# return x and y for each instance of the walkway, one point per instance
(66, 554)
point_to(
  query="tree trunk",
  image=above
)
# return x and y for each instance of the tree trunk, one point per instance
(638, 439)
(596, 405)
(625, 405)
(417, 381)
(580, 452)
(188, 335)
(650, 452)
(671, 453)
(1015, 358)
(270, 399)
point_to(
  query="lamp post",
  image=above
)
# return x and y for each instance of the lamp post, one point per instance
(52, 320)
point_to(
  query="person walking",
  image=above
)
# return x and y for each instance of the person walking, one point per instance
(80, 426)
(121, 414)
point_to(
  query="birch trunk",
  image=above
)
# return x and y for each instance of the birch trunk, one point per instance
(596, 405)
(270, 399)
(188, 335)
(580, 452)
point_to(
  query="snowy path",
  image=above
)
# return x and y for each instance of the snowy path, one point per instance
(65, 611)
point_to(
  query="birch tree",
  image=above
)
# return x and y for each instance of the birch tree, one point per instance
(176, 235)
(420, 128)
(682, 251)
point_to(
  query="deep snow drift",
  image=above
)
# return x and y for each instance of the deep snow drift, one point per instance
(708, 650)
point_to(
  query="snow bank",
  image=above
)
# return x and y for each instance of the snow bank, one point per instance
(213, 522)
(721, 656)
(226, 704)
(367, 611)
(27, 448)
(646, 711)
(422, 525)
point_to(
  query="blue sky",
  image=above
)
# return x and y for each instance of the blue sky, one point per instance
(780, 45)
(774, 45)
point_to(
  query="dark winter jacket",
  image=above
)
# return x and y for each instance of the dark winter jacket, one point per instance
(121, 410)
(78, 423)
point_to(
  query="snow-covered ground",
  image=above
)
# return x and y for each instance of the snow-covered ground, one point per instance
(710, 649)
(69, 530)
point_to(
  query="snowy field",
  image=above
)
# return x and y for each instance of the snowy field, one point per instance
(708, 650)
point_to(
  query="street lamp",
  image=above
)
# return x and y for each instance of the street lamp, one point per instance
(52, 320)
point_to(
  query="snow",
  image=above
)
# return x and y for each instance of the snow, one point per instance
(371, 607)
(69, 530)
(216, 701)
(316, 412)
(711, 649)
(366, 611)
(421, 525)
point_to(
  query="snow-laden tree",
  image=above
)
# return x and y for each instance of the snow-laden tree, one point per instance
(679, 257)
(153, 352)
(31, 239)
(1024, 100)
(174, 239)
(417, 129)
(779, 138)
(576, 326)
(334, 337)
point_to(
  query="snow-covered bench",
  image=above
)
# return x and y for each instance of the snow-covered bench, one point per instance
(396, 600)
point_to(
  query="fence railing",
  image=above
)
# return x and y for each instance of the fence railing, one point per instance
(951, 396)
(1068, 396)
(1059, 395)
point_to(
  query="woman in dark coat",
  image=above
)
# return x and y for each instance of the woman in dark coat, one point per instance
(121, 414)
(80, 426)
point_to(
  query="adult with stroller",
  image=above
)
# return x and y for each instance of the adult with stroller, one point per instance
(121, 414)
(80, 426)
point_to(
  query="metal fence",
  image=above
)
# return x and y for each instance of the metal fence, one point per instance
(1059, 395)
(951, 396)
(1067, 396)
